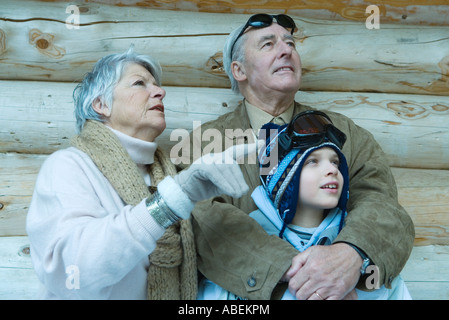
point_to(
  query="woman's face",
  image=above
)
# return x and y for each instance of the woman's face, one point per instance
(137, 107)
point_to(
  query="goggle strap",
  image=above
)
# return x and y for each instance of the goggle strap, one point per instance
(280, 169)
(271, 145)
(288, 178)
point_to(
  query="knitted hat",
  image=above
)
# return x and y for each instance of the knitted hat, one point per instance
(281, 179)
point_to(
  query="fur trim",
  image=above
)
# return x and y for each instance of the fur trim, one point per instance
(176, 199)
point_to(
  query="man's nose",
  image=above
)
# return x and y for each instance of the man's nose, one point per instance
(285, 49)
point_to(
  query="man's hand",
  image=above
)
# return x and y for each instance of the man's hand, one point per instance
(325, 272)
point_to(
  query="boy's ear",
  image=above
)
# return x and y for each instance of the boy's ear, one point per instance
(101, 108)
(238, 71)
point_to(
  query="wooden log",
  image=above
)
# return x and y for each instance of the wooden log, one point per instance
(37, 117)
(426, 273)
(423, 193)
(337, 56)
(418, 12)
(410, 128)
(18, 174)
(17, 276)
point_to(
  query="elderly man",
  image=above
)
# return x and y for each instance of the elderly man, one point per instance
(233, 250)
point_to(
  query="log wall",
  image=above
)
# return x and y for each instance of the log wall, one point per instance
(337, 55)
(393, 81)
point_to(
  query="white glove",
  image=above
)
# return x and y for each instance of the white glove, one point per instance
(209, 176)
(216, 174)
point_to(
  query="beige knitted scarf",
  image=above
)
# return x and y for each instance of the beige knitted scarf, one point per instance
(172, 273)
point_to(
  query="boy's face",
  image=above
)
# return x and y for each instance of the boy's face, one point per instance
(321, 182)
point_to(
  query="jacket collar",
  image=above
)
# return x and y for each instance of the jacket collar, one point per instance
(240, 131)
(240, 120)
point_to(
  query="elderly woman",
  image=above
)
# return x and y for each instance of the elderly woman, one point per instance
(98, 226)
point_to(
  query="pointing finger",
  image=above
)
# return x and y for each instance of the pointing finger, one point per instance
(240, 151)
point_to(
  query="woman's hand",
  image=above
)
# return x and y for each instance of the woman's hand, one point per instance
(215, 174)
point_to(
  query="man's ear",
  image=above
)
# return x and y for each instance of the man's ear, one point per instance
(100, 107)
(238, 71)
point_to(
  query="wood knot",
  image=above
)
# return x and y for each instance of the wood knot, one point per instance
(25, 250)
(44, 42)
(84, 9)
(407, 110)
(215, 64)
(440, 108)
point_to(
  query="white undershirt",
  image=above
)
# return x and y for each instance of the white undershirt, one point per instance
(141, 152)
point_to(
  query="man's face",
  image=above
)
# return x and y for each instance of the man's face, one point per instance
(272, 63)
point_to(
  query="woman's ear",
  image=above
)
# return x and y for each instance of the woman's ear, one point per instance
(101, 108)
(238, 71)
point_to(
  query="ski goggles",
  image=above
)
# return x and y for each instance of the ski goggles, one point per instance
(308, 129)
(263, 20)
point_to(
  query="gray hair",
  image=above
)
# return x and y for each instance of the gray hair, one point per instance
(237, 55)
(101, 81)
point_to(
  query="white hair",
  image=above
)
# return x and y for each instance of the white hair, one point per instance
(101, 81)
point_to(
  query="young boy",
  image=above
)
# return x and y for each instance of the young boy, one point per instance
(303, 196)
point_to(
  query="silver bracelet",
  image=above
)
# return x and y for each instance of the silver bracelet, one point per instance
(160, 211)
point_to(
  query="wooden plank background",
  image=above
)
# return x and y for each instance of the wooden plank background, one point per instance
(393, 81)
(414, 12)
(411, 129)
(337, 55)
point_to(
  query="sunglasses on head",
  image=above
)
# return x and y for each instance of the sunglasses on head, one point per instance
(308, 129)
(263, 20)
